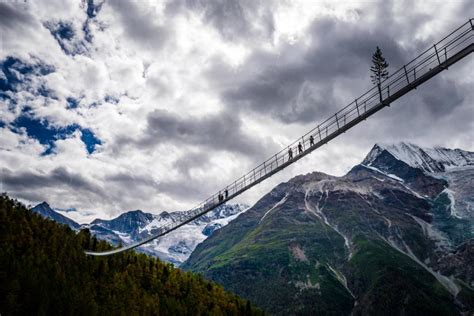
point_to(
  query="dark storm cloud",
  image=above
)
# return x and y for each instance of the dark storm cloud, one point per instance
(298, 85)
(444, 98)
(139, 25)
(305, 84)
(131, 180)
(10, 16)
(191, 160)
(221, 131)
(58, 177)
(234, 20)
(184, 187)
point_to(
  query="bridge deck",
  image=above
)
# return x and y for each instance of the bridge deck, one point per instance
(452, 48)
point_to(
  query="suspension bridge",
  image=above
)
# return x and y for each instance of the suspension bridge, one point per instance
(448, 51)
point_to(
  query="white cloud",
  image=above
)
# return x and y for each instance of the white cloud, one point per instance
(145, 57)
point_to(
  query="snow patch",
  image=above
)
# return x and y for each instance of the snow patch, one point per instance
(447, 283)
(441, 241)
(283, 200)
(318, 212)
(392, 176)
(341, 278)
(452, 206)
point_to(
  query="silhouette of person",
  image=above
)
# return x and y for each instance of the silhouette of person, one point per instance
(220, 197)
(300, 148)
(311, 140)
(226, 193)
(290, 153)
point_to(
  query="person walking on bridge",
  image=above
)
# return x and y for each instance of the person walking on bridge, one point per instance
(311, 140)
(226, 194)
(300, 148)
(290, 154)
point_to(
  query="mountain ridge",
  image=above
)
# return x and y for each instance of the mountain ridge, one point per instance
(327, 242)
(132, 226)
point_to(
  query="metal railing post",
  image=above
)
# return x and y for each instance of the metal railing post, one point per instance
(406, 74)
(337, 121)
(437, 55)
(445, 57)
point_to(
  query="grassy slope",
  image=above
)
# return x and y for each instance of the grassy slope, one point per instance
(256, 263)
(391, 283)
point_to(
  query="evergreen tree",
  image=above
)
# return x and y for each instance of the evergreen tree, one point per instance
(379, 67)
(378, 70)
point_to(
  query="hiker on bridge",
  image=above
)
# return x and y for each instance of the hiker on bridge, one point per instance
(311, 140)
(290, 154)
(226, 193)
(300, 148)
(220, 197)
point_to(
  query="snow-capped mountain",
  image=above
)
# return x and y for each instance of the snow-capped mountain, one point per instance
(136, 225)
(436, 159)
(393, 235)
(448, 170)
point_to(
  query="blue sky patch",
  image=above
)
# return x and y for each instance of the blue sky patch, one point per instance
(13, 68)
(90, 140)
(64, 34)
(111, 99)
(72, 103)
(93, 8)
(47, 134)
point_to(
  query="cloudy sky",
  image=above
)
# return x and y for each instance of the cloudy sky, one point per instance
(109, 106)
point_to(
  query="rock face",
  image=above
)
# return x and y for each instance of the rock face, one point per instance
(393, 236)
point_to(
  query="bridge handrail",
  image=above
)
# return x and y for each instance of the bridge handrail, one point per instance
(363, 106)
(428, 55)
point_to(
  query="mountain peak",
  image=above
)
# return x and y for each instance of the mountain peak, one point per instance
(43, 204)
(437, 159)
(45, 210)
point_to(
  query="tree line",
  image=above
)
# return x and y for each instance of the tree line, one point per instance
(44, 271)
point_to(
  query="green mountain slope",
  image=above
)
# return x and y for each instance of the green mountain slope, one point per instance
(44, 271)
(362, 244)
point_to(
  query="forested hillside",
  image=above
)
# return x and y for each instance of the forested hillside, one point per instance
(44, 271)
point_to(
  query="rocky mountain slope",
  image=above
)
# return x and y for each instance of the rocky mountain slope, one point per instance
(392, 236)
(46, 211)
(136, 225)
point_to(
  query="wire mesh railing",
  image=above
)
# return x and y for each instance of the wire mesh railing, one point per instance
(362, 107)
